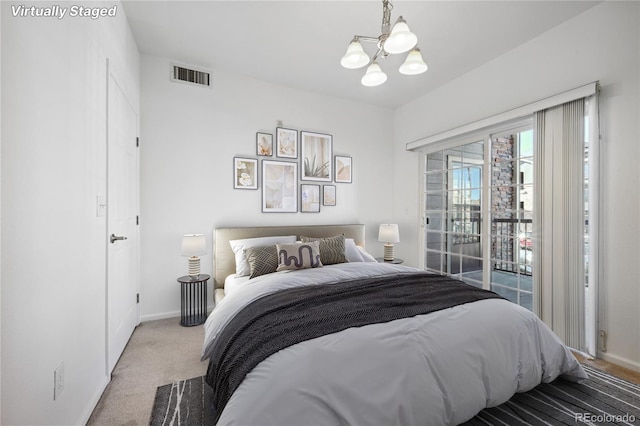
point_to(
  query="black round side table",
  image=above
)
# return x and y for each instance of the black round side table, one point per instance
(395, 261)
(193, 299)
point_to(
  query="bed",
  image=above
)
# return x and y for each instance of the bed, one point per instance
(359, 342)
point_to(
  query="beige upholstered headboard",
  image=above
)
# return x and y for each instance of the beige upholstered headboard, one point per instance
(224, 262)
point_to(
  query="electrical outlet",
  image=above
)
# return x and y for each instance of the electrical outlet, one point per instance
(58, 381)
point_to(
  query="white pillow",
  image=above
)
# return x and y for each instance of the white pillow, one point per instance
(238, 247)
(353, 254)
(366, 257)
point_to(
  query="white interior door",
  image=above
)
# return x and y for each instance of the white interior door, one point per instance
(122, 219)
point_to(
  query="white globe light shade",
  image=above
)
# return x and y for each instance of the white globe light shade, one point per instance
(355, 56)
(401, 38)
(374, 76)
(414, 64)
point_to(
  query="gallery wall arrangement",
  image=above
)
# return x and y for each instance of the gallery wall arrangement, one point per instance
(296, 172)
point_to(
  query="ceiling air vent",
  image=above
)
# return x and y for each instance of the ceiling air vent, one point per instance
(190, 75)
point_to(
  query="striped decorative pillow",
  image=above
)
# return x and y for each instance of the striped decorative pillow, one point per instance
(332, 249)
(262, 260)
(298, 256)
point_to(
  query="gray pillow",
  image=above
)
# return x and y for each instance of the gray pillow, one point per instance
(298, 256)
(332, 249)
(262, 260)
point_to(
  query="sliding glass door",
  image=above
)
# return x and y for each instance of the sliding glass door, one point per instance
(453, 212)
(478, 213)
(512, 215)
(514, 209)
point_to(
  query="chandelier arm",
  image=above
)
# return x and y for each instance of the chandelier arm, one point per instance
(379, 53)
(366, 38)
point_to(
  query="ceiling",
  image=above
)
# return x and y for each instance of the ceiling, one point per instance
(299, 43)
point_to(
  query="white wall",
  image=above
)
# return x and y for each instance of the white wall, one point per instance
(601, 44)
(53, 244)
(0, 223)
(189, 136)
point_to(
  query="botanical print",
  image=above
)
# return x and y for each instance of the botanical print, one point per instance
(286, 143)
(343, 169)
(245, 173)
(279, 186)
(264, 144)
(328, 195)
(316, 156)
(310, 198)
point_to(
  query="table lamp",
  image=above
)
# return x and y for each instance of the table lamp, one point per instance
(388, 234)
(194, 245)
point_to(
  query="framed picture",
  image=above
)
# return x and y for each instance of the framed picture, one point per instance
(286, 143)
(315, 159)
(344, 171)
(309, 198)
(279, 186)
(328, 195)
(264, 144)
(245, 173)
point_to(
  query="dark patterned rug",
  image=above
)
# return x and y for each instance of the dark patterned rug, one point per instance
(185, 402)
(601, 400)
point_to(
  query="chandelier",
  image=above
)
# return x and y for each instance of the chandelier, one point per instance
(398, 39)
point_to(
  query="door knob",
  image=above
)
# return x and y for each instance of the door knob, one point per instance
(115, 238)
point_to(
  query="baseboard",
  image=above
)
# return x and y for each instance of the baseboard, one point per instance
(618, 360)
(164, 315)
(94, 401)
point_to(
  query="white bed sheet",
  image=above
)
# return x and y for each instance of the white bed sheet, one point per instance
(234, 281)
(440, 368)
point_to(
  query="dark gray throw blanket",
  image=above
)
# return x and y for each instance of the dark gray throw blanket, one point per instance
(291, 316)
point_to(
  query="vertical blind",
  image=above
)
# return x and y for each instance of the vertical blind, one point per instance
(559, 273)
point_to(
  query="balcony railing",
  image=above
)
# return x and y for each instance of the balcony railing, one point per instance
(512, 245)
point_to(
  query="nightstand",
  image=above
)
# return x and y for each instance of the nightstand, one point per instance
(395, 261)
(193, 299)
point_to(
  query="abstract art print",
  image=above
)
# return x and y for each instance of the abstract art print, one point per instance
(344, 172)
(279, 187)
(309, 198)
(328, 195)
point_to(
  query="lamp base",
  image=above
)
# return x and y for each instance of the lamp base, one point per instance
(388, 253)
(194, 266)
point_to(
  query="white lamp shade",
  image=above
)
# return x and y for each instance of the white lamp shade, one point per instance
(355, 56)
(389, 233)
(401, 39)
(194, 245)
(413, 64)
(374, 76)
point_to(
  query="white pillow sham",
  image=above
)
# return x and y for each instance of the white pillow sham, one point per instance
(353, 254)
(239, 246)
(366, 256)
(356, 253)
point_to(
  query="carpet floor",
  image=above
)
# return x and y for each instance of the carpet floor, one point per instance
(602, 399)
